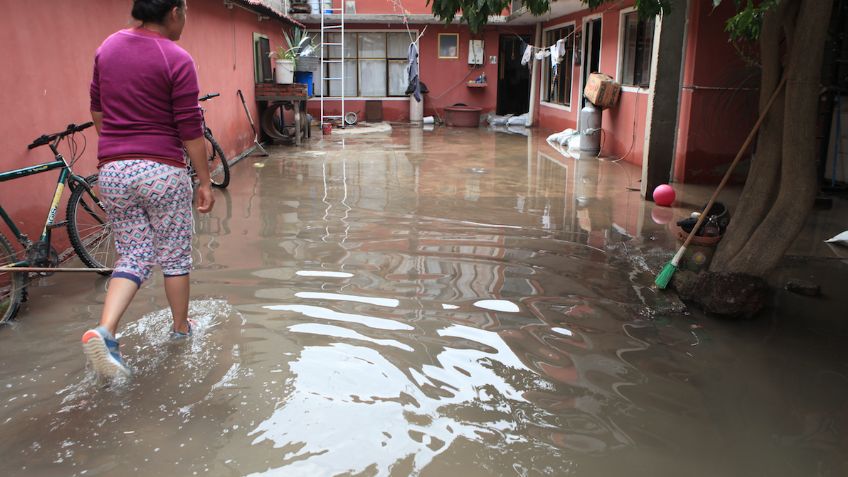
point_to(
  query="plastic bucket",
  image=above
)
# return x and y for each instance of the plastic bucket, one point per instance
(304, 77)
(284, 73)
(326, 129)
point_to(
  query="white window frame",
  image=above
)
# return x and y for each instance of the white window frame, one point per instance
(545, 73)
(317, 36)
(585, 21)
(620, 54)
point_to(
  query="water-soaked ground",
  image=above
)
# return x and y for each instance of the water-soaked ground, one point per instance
(446, 303)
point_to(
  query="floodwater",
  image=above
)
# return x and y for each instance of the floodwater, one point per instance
(438, 303)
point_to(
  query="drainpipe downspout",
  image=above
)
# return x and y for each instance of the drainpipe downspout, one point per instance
(534, 78)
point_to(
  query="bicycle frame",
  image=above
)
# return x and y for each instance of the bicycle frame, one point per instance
(65, 176)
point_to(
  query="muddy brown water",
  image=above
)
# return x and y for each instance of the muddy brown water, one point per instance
(437, 303)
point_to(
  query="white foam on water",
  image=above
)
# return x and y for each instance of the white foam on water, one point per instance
(323, 273)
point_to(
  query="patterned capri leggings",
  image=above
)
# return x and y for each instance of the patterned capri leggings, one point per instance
(149, 205)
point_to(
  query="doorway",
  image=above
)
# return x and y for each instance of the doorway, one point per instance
(591, 52)
(513, 78)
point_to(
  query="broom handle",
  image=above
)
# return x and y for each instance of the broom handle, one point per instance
(732, 166)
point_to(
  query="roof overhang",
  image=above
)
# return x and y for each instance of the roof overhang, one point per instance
(387, 19)
(263, 10)
(559, 8)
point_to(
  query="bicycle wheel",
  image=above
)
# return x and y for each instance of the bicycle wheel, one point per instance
(219, 169)
(11, 284)
(89, 228)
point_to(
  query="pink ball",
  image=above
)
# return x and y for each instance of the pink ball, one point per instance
(664, 195)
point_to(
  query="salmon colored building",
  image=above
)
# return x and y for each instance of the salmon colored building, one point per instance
(716, 86)
(48, 48)
(48, 51)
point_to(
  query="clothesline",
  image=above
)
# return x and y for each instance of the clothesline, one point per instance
(401, 10)
(543, 48)
(556, 52)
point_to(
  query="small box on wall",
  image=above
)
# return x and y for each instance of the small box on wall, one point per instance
(475, 52)
(602, 90)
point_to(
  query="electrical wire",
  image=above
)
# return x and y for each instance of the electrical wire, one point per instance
(633, 136)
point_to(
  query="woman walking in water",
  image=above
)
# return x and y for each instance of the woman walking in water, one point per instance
(144, 105)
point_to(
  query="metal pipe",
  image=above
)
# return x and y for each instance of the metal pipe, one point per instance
(53, 270)
(534, 78)
(695, 87)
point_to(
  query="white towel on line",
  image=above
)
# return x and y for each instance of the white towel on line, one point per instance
(528, 55)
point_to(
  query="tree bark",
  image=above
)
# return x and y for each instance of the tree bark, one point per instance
(785, 218)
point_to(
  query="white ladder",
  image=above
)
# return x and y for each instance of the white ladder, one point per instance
(329, 25)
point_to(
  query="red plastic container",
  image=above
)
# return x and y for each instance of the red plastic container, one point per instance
(327, 128)
(462, 116)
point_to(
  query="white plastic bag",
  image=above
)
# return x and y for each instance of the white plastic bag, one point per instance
(841, 239)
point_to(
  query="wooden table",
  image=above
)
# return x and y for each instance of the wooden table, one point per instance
(283, 97)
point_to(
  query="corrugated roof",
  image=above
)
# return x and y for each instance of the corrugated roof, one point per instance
(266, 8)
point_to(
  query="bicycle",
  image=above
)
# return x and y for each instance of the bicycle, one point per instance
(219, 169)
(88, 227)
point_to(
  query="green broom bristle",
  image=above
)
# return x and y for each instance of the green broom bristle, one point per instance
(665, 275)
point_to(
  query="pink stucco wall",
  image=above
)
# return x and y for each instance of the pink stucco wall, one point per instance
(623, 124)
(48, 49)
(718, 89)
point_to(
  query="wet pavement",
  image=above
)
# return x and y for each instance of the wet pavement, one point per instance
(440, 303)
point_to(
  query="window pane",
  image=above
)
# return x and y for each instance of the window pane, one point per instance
(329, 50)
(637, 47)
(558, 88)
(372, 77)
(398, 78)
(372, 45)
(448, 46)
(350, 78)
(398, 45)
(350, 45)
(335, 51)
(646, 46)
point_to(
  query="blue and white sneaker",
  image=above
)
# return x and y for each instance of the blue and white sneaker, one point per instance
(179, 335)
(101, 349)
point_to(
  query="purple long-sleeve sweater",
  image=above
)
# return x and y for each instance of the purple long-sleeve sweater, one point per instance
(146, 87)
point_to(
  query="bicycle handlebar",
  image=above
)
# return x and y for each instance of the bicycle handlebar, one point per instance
(209, 96)
(72, 128)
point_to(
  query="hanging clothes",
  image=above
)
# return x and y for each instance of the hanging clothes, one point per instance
(542, 54)
(528, 55)
(554, 59)
(414, 86)
(560, 49)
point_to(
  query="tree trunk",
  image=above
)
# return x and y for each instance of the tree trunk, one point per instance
(764, 245)
(764, 175)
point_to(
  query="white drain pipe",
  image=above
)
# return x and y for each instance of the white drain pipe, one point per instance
(534, 77)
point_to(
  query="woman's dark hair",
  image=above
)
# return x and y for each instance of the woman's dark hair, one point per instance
(154, 11)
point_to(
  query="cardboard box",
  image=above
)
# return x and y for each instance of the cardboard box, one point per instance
(602, 90)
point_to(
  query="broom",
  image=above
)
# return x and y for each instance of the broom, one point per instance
(668, 270)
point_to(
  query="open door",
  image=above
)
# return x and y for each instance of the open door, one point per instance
(513, 78)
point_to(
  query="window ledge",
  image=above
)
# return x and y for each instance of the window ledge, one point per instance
(363, 98)
(635, 89)
(556, 106)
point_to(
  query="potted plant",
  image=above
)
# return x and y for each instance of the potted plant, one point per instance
(297, 45)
